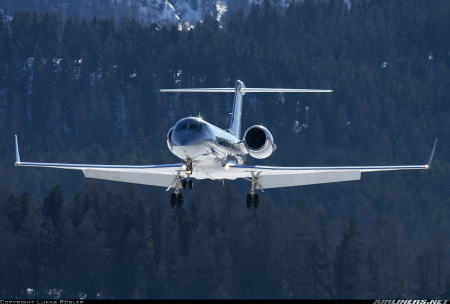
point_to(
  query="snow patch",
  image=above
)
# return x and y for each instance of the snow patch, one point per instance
(221, 7)
(169, 13)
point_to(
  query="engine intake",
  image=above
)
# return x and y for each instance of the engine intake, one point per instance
(169, 137)
(259, 142)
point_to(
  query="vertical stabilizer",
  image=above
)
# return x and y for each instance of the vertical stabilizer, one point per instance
(235, 126)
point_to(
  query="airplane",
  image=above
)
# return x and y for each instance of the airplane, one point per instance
(209, 152)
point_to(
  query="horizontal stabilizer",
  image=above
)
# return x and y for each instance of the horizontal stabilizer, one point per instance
(246, 90)
(255, 90)
(223, 90)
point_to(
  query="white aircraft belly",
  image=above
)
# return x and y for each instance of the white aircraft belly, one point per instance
(144, 178)
(307, 178)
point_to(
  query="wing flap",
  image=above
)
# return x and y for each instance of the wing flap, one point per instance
(306, 178)
(143, 178)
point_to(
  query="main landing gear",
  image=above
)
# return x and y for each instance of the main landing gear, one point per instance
(177, 198)
(252, 197)
(252, 201)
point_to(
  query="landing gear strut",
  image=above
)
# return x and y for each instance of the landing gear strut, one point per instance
(188, 166)
(252, 197)
(188, 183)
(177, 198)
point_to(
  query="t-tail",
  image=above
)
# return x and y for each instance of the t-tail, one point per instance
(236, 116)
(239, 91)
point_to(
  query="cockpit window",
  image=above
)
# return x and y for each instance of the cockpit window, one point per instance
(189, 124)
(181, 126)
(195, 126)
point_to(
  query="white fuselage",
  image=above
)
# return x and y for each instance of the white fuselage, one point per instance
(204, 144)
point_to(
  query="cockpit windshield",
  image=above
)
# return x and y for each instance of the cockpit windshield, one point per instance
(181, 126)
(195, 126)
(189, 125)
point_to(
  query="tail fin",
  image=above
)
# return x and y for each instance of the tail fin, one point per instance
(239, 91)
(236, 116)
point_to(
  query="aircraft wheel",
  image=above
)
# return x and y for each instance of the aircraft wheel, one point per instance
(173, 200)
(249, 201)
(256, 201)
(180, 200)
(191, 184)
(184, 184)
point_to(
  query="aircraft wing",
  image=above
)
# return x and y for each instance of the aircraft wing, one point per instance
(276, 177)
(267, 176)
(155, 175)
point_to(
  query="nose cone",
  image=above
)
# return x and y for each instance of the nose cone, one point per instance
(188, 138)
(188, 144)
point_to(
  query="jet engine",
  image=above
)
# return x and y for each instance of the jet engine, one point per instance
(169, 136)
(259, 142)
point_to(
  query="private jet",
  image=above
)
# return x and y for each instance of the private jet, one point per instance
(209, 152)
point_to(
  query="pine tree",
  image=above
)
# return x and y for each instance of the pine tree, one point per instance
(52, 205)
(47, 257)
(348, 263)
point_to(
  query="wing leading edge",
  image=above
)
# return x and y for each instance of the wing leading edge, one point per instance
(154, 175)
(277, 177)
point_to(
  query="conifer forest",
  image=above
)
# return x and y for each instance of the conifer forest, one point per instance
(87, 91)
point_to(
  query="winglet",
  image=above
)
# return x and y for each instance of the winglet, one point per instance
(432, 154)
(17, 153)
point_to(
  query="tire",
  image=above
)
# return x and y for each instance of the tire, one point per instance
(249, 201)
(173, 200)
(256, 201)
(180, 200)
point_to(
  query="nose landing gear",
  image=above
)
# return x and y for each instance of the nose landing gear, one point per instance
(187, 184)
(188, 166)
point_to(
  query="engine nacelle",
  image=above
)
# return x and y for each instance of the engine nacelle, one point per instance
(259, 142)
(169, 135)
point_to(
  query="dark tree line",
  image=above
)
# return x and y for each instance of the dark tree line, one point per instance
(114, 245)
(88, 92)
